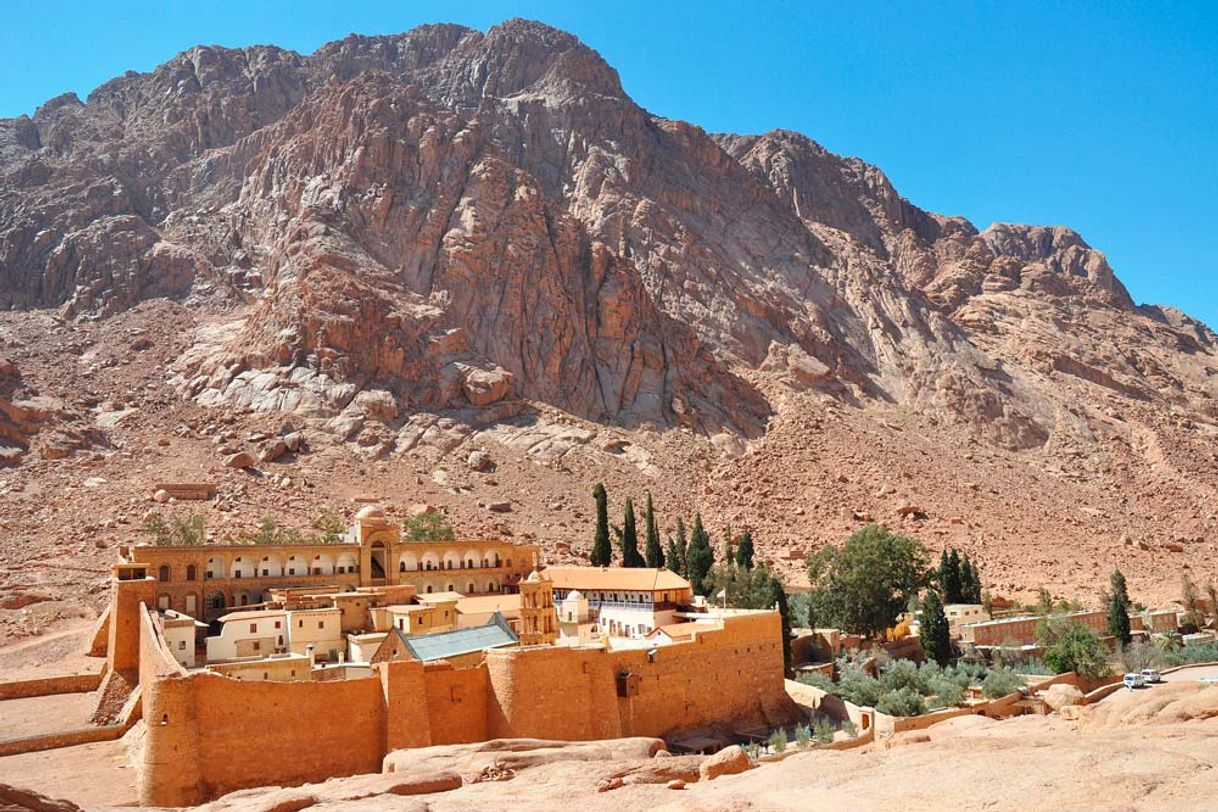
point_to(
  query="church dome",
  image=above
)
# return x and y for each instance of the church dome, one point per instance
(370, 514)
(575, 595)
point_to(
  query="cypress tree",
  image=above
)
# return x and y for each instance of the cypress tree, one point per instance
(602, 551)
(934, 632)
(778, 597)
(970, 582)
(744, 551)
(673, 556)
(654, 553)
(700, 557)
(628, 538)
(1118, 610)
(951, 589)
(729, 554)
(944, 571)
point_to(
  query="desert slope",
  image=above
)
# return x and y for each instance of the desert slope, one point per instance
(414, 246)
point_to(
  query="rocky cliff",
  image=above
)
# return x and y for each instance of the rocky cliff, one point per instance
(407, 240)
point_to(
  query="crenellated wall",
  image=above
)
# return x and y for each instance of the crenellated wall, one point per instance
(209, 734)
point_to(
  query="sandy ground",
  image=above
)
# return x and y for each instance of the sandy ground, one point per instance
(59, 651)
(92, 775)
(45, 714)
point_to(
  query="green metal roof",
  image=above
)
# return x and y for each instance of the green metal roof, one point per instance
(440, 645)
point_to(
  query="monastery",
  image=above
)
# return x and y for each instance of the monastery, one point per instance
(375, 643)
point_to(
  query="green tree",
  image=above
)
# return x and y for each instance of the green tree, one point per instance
(1044, 602)
(1118, 610)
(682, 549)
(951, 589)
(970, 581)
(699, 558)
(429, 526)
(628, 538)
(1073, 647)
(654, 554)
(744, 551)
(863, 585)
(602, 552)
(330, 526)
(934, 630)
(672, 558)
(1191, 599)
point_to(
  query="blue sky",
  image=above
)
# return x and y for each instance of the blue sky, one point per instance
(1100, 116)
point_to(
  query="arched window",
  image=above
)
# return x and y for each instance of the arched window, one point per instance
(190, 572)
(215, 600)
(163, 573)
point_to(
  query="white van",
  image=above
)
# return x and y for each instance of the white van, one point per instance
(1134, 680)
(1151, 676)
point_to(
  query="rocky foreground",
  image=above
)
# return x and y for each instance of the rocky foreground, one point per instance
(466, 269)
(1145, 750)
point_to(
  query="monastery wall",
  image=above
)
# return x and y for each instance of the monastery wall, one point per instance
(457, 700)
(209, 734)
(731, 673)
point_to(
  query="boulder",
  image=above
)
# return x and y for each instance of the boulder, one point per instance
(480, 461)
(1062, 695)
(295, 441)
(242, 459)
(499, 507)
(161, 496)
(274, 450)
(728, 761)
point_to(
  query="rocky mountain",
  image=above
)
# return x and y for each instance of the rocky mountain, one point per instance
(424, 243)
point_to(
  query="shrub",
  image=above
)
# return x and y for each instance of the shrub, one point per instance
(778, 740)
(822, 731)
(803, 735)
(1184, 655)
(849, 729)
(859, 687)
(1000, 682)
(1031, 665)
(1076, 648)
(902, 702)
(946, 692)
(430, 526)
(901, 674)
(818, 679)
(330, 527)
(179, 531)
(1138, 655)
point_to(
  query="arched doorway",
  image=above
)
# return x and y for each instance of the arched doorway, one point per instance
(378, 560)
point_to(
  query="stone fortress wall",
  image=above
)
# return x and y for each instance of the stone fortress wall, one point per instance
(208, 734)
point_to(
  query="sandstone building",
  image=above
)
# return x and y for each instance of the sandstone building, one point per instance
(205, 581)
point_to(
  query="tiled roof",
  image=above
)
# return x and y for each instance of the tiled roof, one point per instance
(441, 645)
(627, 579)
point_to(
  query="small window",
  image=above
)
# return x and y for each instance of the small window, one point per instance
(253, 628)
(163, 573)
(190, 572)
(257, 645)
(181, 645)
(277, 624)
(321, 624)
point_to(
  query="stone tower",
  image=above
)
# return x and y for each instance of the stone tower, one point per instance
(538, 619)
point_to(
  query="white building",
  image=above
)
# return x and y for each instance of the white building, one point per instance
(621, 601)
(264, 632)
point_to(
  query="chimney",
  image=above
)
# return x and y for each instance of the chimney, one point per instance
(312, 657)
